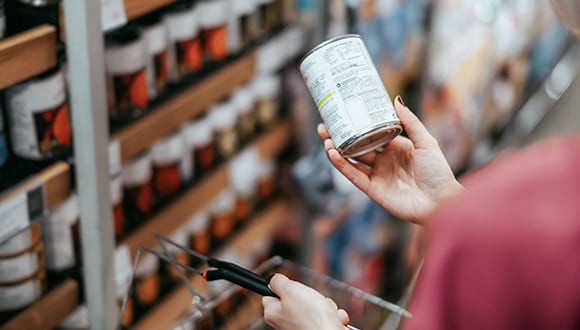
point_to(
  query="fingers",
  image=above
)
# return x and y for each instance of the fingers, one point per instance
(280, 284)
(413, 126)
(357, 175)
(343, 316)
(322, 131)
(272, 309)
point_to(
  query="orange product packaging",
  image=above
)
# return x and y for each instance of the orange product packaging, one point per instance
(167, 165)
(213, 17)
(137, 178)
(38, 116)
(126, 61)
(185, 44)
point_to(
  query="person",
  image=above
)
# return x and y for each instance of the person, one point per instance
(502, 247)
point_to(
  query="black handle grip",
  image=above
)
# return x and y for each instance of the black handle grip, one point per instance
(244, 282)
(236, 269)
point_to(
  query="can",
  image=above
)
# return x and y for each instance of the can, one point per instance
(350, 95)
(15, 296)
(17, 267)
(21, 241)
(38, 116)
(58, 235)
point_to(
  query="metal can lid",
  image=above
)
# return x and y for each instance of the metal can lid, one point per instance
(370, 140)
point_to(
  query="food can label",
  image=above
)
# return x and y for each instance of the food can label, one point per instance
(59, 246)
(347, 88)
(18, 267)
(21, 295)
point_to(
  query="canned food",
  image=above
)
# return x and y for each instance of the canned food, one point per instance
(21, 241)
(38, 116)
(14, 268)
(15, 296)
(350, 95)
(58, 235)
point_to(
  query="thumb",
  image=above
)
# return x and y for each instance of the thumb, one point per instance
(280, 284)
(415, 129)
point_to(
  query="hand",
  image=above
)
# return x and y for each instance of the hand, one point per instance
(301, 307)
(410, 177)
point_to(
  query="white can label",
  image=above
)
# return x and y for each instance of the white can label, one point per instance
(58, 246)
(21, 295)
(19, 267)
(347, 89)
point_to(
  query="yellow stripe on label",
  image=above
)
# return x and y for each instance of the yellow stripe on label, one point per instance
(324, 99)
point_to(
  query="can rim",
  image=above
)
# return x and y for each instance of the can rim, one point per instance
(327, 42)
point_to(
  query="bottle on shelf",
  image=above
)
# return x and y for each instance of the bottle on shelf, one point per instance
(267, 91)
(137, 180)
(167, 156)
(199, 231)
(58, 235)
(242, 25)
(180, 237)
(243, 100)
(119, 225)
(213, 16)
(243, 175)
(223, 118)
(223, 217)
(185, 49)
(200, 137)
(126, 61)
(156, 37)
(147, 284)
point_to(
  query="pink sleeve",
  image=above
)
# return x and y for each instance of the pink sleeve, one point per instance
(506, 254)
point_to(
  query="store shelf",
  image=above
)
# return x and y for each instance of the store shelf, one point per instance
(268, 144)
(179, 301)
(55, 181)
(49, 311)
(27, 54)
(171, 115)
(136, 8)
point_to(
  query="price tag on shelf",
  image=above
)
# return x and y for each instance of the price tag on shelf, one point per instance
(17, 212)
(112, 14)
(123, 268)
(114, 158)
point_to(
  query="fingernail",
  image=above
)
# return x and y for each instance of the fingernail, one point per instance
(400, 100)
(269, 277)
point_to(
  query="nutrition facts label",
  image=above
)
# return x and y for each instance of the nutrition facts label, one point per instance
(347, 89)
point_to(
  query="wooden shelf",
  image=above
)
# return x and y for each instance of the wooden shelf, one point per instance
(55, 180)
(178, 302)
(48, 312)
(141, 135)
(27, 54)
(268, 144)
(136, 8)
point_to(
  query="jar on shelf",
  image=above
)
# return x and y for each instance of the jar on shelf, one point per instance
(200, 236)
(243, 100)
(147, 282)
(137, 177)
(167, 158)
(21, 265)
(187, 158)
(266, 179)
(223, 217)
(128, 316)
(270, 15)
(242, 24)
(116, 187)
(157, 45)
(180, 237)
(223, 119)
(16, 296)
(213, 15)
(21, 241)
(185, 50)
(58, 235)
(38, 116)
(199, 137)
(77, 320)
(3, 145)
(266, 88)
(242, 175)
(22, 15)
(126, 62)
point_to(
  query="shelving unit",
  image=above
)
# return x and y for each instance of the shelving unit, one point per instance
(171, 115)
(268, 144)
(27, 54)
(136, 8)
(42, 315)
(178, 302)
